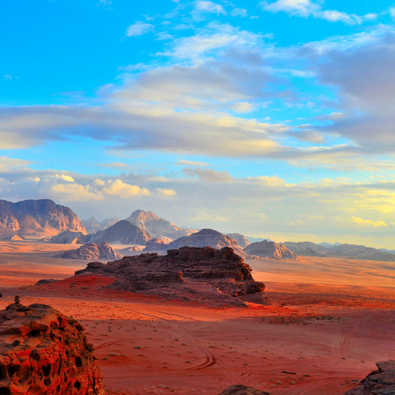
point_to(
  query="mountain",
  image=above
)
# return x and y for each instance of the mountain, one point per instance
(92, 251)
(242, 241)
(306, 248)
(158, 244)
(36, 219)
(123, 232)
(157, 227)
(92, 225)
(270, 249)
(207, 238)
(256, 239)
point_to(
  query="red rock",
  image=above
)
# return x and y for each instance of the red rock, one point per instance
(44, 352)
(242, 390)
(198, 272)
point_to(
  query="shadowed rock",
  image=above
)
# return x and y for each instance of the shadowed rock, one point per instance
(91, 251)
(241, 240)
(379, 382)
(242, 390)
(217, 275)
(44, 352)
(269, 249)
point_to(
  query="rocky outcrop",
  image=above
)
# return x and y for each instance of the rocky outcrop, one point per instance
(157, 227)
(269, 250)
(92, 225)
(242, 241)
(158, 244)
(207, 237)
(205, 273)
(92, 251)
(44, 352)
(36, 219)
(379, 382)
(242, 390)
(305, 248)
(123, 232)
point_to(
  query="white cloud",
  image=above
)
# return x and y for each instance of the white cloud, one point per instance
(138, 29)
(306, 8)
(209, 175)
(392, 12)
(368, 222)
(166, 192)
(239, 12)
(124, 190)
(192, 163)
(209, 6)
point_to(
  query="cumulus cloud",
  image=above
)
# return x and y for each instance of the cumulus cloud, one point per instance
(368, 222)
(209, 6)
(138, 29)
(306, 8)
(166, 192)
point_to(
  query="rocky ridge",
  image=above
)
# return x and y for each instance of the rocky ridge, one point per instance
(92, 225)
(92, 251)
(218, 276)
(36, 219)
(379, 382)
(241, 240)
(44, 352)
(207, 238)
(269, 250)
(158, 244)
(157, 227)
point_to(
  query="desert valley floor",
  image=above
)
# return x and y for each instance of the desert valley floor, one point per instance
(326, 324)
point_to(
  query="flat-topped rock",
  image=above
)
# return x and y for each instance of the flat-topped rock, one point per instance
(44, 352)
(188, 272)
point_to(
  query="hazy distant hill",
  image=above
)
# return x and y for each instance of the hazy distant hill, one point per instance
(92, 225)
(242, 241)
(157, 227)
(123, 232)
(270, 249)
(206, 238)
(36, 219)
(349, 251)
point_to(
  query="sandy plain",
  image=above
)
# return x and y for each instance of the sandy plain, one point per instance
(327, 322)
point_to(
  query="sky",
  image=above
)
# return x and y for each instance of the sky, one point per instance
(273, 118)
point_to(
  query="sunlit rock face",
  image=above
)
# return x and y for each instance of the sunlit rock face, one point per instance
(92, 251)
(208, 273)
(36, 219)
(44, 352)
(379, 382)
(269, 249)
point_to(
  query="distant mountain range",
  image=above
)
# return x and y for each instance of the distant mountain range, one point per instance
(36, 219)
(92, 225)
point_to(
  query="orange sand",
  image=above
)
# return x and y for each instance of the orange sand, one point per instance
(323, 335)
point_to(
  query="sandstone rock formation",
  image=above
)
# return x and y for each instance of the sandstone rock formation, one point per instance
(130, 250)
(242, 390)
(207, 237)
(305, 248)
(92, 251)
(158, 244)
(269, 249)
(203, 273)
(44, 352)
(157, 227)
(379, 382)
(36, 219)
(123, 232)
(242, 241)
(92, 225)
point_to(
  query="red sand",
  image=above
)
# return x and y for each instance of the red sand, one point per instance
(322, 336)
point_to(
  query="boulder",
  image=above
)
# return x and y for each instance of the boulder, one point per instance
(44, 352)
(92, 251)
(242, 390)
(379, 382)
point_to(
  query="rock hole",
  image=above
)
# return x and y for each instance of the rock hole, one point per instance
(47, 382)
(78, 362)
(34, 333)
(12, 370)
(58, 388)
(46, 370)
(77, 385)
(5, 391)
(60, 367)
(2, 373)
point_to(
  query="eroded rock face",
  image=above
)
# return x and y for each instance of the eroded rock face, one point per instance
(242, 241)
(92, 251)
(44, 352)
(158, 244)
(269, 249)
(379, 382)
(210, 273)
(242, 390)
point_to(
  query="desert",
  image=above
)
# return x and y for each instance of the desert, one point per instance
(321, 330)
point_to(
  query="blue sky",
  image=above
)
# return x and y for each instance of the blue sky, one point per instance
(270, 118)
